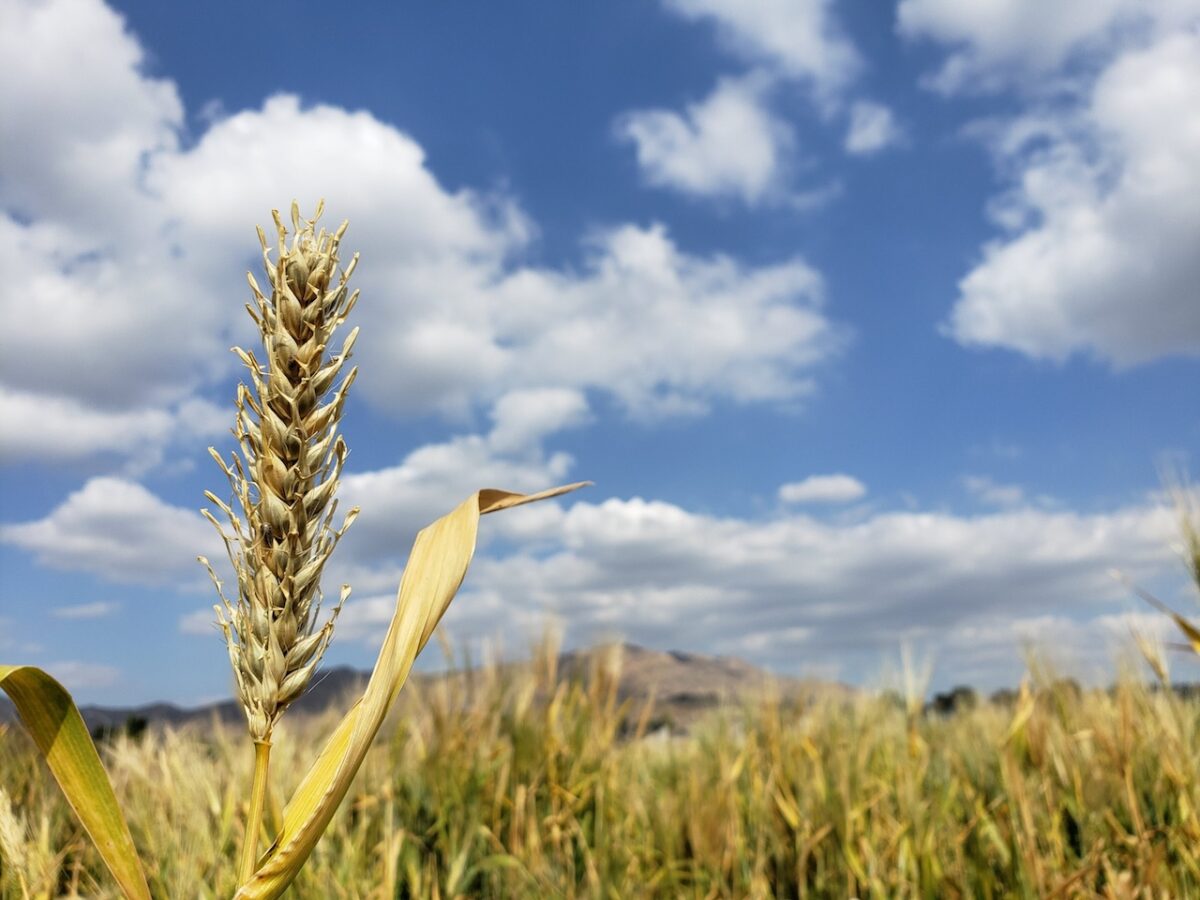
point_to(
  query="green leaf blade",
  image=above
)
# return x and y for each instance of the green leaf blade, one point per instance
(58, 730)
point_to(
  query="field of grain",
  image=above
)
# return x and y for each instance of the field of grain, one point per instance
(527, 782)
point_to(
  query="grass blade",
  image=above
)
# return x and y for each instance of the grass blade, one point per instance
(58, 730)
(436, 567)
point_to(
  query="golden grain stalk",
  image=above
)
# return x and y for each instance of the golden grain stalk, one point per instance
(283, 484)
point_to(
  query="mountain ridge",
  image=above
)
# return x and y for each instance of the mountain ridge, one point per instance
(685, 685)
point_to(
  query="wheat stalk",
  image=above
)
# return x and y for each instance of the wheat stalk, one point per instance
(283, 483)
(13, 856)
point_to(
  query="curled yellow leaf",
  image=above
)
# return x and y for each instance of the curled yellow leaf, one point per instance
(436, 567)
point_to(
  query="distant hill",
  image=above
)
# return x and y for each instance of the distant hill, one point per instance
(331, 686)
(684, 685)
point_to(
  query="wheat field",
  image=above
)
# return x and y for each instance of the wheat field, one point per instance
(531, 782)
(522, 782)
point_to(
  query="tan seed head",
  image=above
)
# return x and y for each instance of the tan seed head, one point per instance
(285, 478)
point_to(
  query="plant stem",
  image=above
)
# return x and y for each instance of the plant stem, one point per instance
(262, 758)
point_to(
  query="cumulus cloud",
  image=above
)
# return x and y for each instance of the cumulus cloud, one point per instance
(523, 418)
(800, 38)
(642, 319)
(121, 331)
(122, 235)
(1097, 252)
(872, 128)
(669, 577)
(56, 428)
(79, 118)
(106, 335)
(1100, 256)
(378, 176)
(730, 144)
(823, 489)
(792, 590)
(796, 592)
(398, 500)
(664, 331)
(118, 530)
(1023, 41)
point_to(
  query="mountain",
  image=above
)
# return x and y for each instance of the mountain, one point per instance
(684, 687)
(330, 686)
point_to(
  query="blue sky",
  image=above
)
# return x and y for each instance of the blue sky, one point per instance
(872, 323)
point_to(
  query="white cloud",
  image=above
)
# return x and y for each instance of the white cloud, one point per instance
(96, 610)
(79, 116)
(82, 676)
(62, 428)
(664, 331)
(1002, 41)
(123, 237)
(823, 489)
(124, 325)
(120, 531)
(800, 38)
(729, 144)
(665, 576)
(461, 322)
(372, 173)
(787, 41)
(106, 333)
(1101, 257)
(399, 500)
(366, 618)
(201, 623)
(994, 651)
(660, 329)
(987, 490)
(732, 144)
(872, 128)
(795, 591)
(786, 588)
(523, 418)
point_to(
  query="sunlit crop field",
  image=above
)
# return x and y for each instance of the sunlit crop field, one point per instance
(522, 783)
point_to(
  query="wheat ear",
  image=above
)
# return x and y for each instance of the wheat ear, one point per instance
(284, 481)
